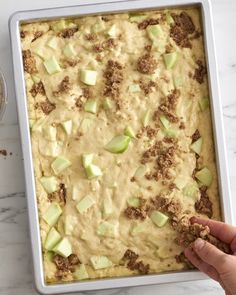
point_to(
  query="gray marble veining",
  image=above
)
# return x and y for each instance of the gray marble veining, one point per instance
(15, 256)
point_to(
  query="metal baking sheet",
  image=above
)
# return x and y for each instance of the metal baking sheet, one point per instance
(223, 179)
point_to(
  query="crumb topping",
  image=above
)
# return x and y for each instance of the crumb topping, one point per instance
(148, 22)
(147, 64)
(63, 87)
(29, 62)
(67, 33)
(200, 72)
(38, 88)
(47, 107)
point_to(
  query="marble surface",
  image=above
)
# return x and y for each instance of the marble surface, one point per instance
(15, 256)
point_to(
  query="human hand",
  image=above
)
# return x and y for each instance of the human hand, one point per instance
(207, 258)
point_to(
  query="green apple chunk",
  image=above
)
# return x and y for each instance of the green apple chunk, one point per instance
(35, 78)
(91, 106)
(129, 132)
(63, 248)
(93, 171)
(50, 133)
(81, 273)
(52, 239)
(58, 26)
(85, 204)
(108, 104)
(140, 172)
(204, 103)
(107, 208)
(49, 183)
(137, 229)
(169, 19)
(100, 262)
(159, 218)
(60, 164)
(52, 65)
(204, 176)
(87, 159)
(170, 59)
(180, 182)
(88, 77)
(69, 51)
(107, 229)
(52, 43)
(67, 126)
(137, 18)
(98, 27)
(165, 122)
(146, 118)
(134, 88)
(40, 53)
(133, 202)
(191, 190)
(118, 144)
(154, 32)
(171, 133)
(197, 146)
(86, 124)
(52, 214)
(112, 32)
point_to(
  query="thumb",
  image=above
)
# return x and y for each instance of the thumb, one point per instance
(212, 255)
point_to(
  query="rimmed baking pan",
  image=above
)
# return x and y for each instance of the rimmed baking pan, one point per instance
(105, 8)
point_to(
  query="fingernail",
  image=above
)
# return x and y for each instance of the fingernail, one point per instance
(198, 244)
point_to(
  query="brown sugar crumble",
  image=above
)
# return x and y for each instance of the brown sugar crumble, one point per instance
(148, 22)
(47, 107)
(182, 28)
(147, 87)
(200, 72)
(37, 35)
(63, 87)
(38, 88)
(29, 62)
(131, 257)
(204, 205)
(65, 265)
(147, 64)
(68, 33)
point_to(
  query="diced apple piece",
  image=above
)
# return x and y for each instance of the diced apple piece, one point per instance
(35, 78)
(118, 144)
(87, 159)
(31, 123)
(51, 149)
(140, 172)
(88, 77)
(171, 133)
(52, 66)
(58, 26)
(85, 204)
(204, 176)
(146, 118)
(137, 18)
(169, 19)
(50, 132)
(112, 32)
(180, 182)
(107, 207)
(107, 229)
(133, 202)
(40, 53)
(81, 273)
(86, 124)
(52, 214)
(70, 224)
(197, 146)
(129, 132)
(49, 184)
(74, 193)
(170, 59)
(52, 43)
(69, 51)
(93, 171)
(204, 103)
(108, 104)
(63, 248)
(60, 164)
(98, 27)
(134, 88)
(137, 229)
(52, 239)
(154, 32)
(67, 126)
(165, 122)
(159, 218)
(100, 262)
(191, 190)
(91, 106)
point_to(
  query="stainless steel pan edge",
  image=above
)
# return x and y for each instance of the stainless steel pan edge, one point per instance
(107, 7)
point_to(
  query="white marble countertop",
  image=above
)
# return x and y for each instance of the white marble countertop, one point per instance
(15, 256)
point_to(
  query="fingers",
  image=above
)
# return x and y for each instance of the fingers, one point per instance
(211, 255)
(201, 265)
(224, 232)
